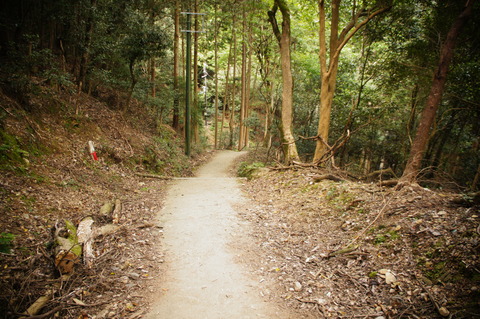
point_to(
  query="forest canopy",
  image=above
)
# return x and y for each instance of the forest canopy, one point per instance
(343, 84)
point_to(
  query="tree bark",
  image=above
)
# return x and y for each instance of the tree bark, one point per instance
(338, 40)
(195, 113)
(87, 43)
(241, 123)
(435, 97)
(215, 144)
(226, 100)
(231, 123)
(176, 93)
(283, 38)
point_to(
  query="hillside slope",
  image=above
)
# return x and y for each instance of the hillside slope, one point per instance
(48, 176)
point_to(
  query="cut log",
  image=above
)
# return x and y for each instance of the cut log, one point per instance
(68, 250)
(117, 211)
(85, 235)
(107, 209)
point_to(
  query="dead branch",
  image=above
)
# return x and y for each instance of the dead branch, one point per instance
(388, 183)
(319, 178)
(381, 172)
(154, 176)
(380, 213)
(44, 315)
(38, 305)
(342, 251)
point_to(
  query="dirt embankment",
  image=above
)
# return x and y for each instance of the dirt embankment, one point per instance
(48, 176)
(351, 250)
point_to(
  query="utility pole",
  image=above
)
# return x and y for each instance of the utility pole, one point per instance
(188, 79)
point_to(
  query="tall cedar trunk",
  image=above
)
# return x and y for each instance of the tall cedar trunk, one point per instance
(87, 43)
(247, 93)
(438, 84)
(215, 144)
(338, 40)
(231, 123)
(283, 38)
(195, 113)
(176, 93)
(226, 100)
(153, 92)
(241, 123)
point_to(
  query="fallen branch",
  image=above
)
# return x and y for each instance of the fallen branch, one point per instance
(380, 213)
(388, 183)
(342, 251)
(38, 304)
(154, 176)
(381, 172)
(44, 315)
(319, 178)
(444, 312)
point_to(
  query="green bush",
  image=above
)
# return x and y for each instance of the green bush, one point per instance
(6, 242)
(247, 169)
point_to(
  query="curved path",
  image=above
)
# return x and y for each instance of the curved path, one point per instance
(202, 279)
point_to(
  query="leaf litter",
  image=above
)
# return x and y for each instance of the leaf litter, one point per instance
(356, 250)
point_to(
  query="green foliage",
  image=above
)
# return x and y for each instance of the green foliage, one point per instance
(12, 156)
(6, 242)
(247, 170)
(165, 155)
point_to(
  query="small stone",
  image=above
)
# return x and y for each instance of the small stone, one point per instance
(390, 278)
(298, 286)
(444, 312)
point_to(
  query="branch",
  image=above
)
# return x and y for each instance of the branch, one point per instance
(357, 27)
(274, 23)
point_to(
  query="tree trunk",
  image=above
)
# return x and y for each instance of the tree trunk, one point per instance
(87, 43)
(195, 113)
(338, 40)
(215, 144)
(231, 123)
(133, 82)
(226, 100)
(243, 94)
(428, 114)
(176, 93)
(283, 38)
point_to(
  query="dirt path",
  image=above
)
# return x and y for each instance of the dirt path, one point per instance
(202, 279)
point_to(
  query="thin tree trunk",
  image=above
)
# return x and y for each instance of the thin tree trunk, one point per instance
(247, 93)
(231, 123)
(435, 97)
(216, 78)
(226, 100)
(195, 117)
(241, 124)
(87, 43)
(176, 93)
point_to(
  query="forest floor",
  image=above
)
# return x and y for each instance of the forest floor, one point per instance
(347, 249)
